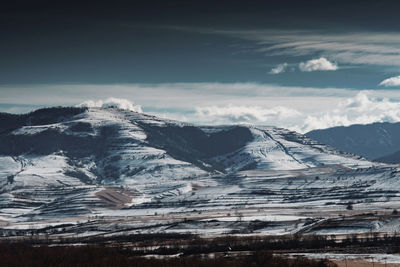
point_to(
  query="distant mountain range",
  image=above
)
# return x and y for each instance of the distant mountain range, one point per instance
(377, 141)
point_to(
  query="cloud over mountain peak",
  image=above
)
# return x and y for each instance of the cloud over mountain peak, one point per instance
(112, 102)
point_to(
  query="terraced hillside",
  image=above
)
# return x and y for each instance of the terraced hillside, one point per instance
(106, 171)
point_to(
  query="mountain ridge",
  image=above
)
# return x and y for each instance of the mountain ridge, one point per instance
(373, 141)
(174, 137)
(136, 169)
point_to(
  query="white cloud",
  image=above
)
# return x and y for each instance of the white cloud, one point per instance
(317, 64)
(112, 102)
(246, 114)
(279, 69)
(361, 109)
(393, 81)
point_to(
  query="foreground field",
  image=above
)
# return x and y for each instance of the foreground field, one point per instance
(25, 255)
(362, 263)
(192, 250)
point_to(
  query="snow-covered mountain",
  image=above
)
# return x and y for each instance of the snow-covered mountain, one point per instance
(114, 146)
(58, 165)
(372, 141)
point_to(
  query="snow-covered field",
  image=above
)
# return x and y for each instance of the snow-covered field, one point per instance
(109, 171)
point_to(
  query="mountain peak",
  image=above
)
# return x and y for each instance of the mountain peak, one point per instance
(109, 130)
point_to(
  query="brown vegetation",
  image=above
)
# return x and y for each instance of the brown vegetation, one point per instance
(186, 250)
(114, 197)
(26, 255)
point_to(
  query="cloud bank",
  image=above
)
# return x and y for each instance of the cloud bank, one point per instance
(246, 114)
(279, 69)
(393, 81)
(297, 108)
(360, 109)
(317, 65)
(112, 103)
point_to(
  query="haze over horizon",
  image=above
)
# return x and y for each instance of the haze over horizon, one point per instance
(301, 65)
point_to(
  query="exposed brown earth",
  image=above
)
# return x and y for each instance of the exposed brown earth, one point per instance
(115, 198)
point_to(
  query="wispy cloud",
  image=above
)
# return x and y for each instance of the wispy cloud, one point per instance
(317, 65)
(279, 69)
(356, 48)
(351, 48)
(393, 81)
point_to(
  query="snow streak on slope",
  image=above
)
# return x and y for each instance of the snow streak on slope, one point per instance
(280, 149)
(128, 155)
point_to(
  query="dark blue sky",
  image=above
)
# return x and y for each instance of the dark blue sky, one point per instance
(181, 41)
(298, 64)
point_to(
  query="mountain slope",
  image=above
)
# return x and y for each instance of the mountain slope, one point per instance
(393, 158)
(126, 144)
(371, 141)
(58, 167)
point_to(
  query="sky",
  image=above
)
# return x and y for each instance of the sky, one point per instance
(301, 65)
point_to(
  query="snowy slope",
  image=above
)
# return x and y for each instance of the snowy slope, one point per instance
(57, 166)
(280, 149)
